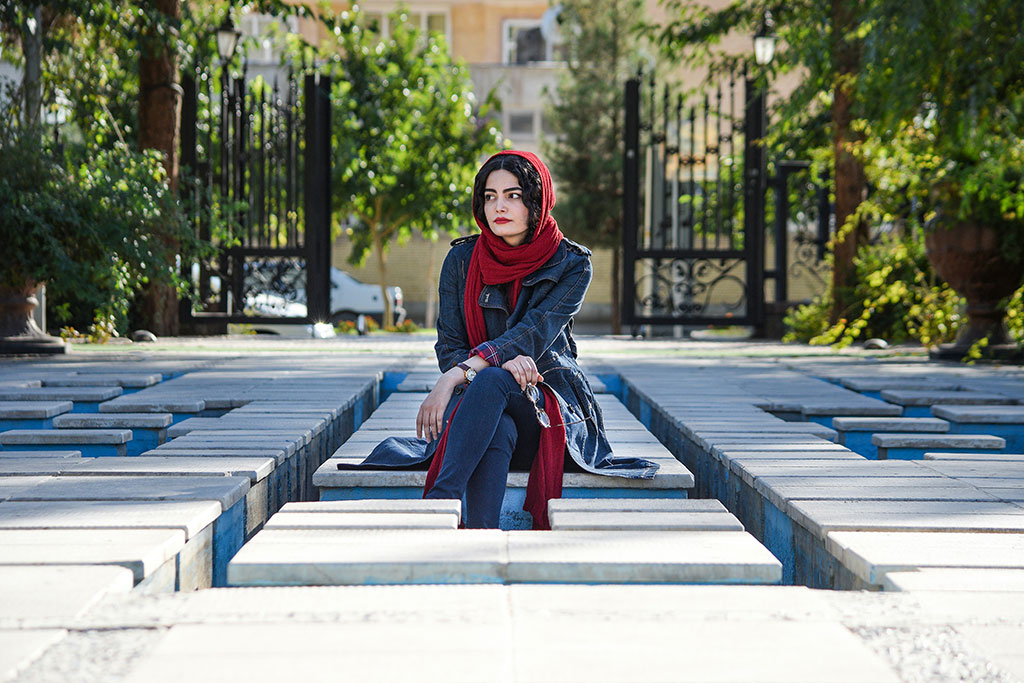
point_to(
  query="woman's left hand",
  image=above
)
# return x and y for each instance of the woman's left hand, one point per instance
(524, 370)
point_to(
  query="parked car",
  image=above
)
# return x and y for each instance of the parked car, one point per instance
(350, 298)
(275, 305)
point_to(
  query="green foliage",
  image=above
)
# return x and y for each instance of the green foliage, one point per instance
(601, 47)
(86, 225)
(408, 133)
(899, 299)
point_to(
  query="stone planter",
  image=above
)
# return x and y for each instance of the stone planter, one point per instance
(968, 256)
(19, 333)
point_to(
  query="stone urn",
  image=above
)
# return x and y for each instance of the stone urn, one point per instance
(969, 257)
(19, 333)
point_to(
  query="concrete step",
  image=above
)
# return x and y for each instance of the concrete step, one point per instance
(85, 399)
(918, 403)
(1006, 421)
(855, 432)
(345, 557)
(31, 414)
(913, 446)
(90, 442)
(149, 430)
(644, 521)
(196, 519)
(151, 554)
(228, 532)
(96, 379)
(870, 555)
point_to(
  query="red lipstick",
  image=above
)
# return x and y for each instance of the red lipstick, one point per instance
(502, 220)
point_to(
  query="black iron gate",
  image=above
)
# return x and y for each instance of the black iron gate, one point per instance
(695, 204)
(259, 156)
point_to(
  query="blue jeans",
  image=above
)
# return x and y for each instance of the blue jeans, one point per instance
(494, 429)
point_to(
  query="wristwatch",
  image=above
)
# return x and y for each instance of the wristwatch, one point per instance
(470, 372)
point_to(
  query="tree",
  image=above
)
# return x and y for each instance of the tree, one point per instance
(585, 155)
(159, 126)
(408, 137)
(824, 41)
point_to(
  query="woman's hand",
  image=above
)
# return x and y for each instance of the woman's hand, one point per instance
(524, 370)
(430, 419)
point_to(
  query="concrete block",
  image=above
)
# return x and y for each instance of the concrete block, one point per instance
(907, 397)
(131, 421)
(96, 379)
(255, 469)
(50, 437)
(18, 649)
(225, 490)
(35, 467)
(14, 452)
(963, 469)
(823, 516)
(634, 505)
(644, 521)
(870, 555)
(982, 457)
(74, 394)
(15, 485)
(937, 441)
(988, 414)
(33, 409)
(143, 551)
(89, 442)
(639, 557)
(191, 517)
(170, 450)
(136, 404)
(30, 595)
(419, 506)
(344, 557)
(957, 580)
(361, 520)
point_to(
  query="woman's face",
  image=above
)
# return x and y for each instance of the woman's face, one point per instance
(507, 215)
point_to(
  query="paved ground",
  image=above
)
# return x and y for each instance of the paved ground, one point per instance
(520, 633)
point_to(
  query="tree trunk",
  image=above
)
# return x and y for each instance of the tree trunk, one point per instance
(432, 284)
(616, 290)
(851, 184)
(159, 125)
(382, 273)
(32, 48)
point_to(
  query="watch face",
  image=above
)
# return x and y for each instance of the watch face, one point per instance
(470, 374)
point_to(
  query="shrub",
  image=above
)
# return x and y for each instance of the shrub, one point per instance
(899, 298)
(86, 222)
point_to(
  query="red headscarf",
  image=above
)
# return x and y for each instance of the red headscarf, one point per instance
(495, 262)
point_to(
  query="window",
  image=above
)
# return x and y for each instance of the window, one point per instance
(520, 123)
(433, 21)
(266, 29)
(523, 42)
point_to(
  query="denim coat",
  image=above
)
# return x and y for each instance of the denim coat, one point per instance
(540, 327)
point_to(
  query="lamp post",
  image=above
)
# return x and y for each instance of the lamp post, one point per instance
(755, 165)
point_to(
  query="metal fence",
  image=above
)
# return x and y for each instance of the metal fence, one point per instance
(258, 167)
(697, 207)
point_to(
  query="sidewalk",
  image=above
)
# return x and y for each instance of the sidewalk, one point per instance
(943, 624)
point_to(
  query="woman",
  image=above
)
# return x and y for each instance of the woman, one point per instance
(511, 394)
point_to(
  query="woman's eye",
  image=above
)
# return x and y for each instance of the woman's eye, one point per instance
(514, 195)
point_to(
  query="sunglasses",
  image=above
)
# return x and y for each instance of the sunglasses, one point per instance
(532, 394)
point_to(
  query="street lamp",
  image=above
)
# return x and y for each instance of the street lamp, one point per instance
(227, 39)
(764, 41)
